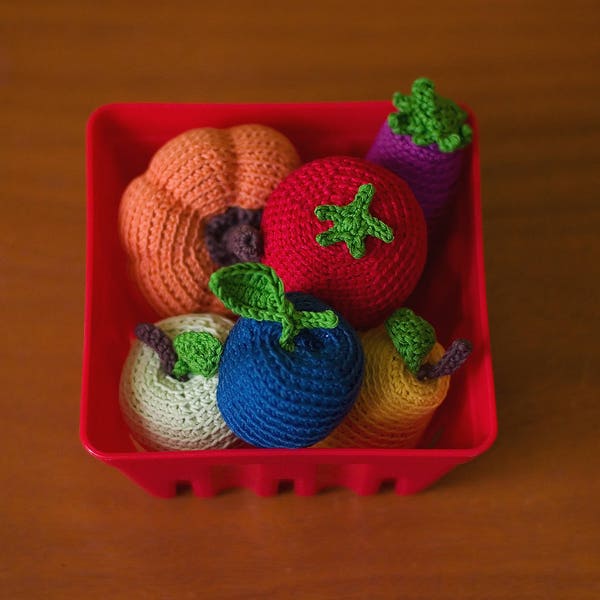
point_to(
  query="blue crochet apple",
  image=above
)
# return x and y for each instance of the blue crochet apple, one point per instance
(291, 367)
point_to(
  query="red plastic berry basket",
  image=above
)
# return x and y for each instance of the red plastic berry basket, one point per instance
(121, 139)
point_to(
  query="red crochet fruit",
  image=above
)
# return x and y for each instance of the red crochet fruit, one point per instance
(348, 232)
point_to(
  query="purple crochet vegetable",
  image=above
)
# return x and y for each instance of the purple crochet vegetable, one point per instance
(423, 143)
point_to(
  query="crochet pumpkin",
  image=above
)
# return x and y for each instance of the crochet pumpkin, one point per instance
(348, 232)
(407, 376)
(168, 390)
(198, 207)
(291, 367)
(423, 142)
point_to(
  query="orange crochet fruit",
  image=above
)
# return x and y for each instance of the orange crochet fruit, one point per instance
(204, 179)
(407, 376)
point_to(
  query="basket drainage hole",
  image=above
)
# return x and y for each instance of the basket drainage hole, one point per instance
(388, 485)
(285, 486)
(183, 488)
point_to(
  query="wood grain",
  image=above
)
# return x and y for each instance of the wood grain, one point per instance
(520, 522)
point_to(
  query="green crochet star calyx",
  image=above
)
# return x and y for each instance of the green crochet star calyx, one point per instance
(352, 223)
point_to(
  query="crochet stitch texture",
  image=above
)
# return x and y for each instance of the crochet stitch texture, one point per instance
(191, 179)
(275, 398)
(429, 118)
(164, 413)
(256, 292)
(353, 222)
(423, 143)
(364, 289)
(394, 408)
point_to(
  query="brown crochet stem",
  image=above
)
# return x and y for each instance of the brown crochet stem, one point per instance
(234, 236)
(244, 242)
(452, 360)
(161, 343)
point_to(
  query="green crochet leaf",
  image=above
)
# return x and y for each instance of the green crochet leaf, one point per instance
(255, 291)
(353, 222)
(250, 290)
(412, 336)
(198, 353)
(429, 118)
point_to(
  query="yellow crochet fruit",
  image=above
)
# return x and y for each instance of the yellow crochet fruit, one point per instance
(396, 402)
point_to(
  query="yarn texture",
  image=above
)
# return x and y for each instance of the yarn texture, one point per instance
(430, 119)
(160, 342)
(234, 236)
(256, 292)
(412, 336)
(394, 408)
(452, 360)
(352, 223)
(276, 398)
(193, 178)
(423, 143)
(164, 413)
(348, 232)
(199, 353)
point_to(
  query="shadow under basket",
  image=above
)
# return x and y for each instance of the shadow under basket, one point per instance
(121, 139)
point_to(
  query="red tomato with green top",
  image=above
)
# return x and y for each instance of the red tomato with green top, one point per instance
(348, 232)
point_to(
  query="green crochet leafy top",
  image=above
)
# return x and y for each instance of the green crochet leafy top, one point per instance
(430, 119)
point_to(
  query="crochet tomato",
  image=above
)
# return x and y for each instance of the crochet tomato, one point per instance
(291, 368)
(348, 232)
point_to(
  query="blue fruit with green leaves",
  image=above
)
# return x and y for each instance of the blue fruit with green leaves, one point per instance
(291, 367)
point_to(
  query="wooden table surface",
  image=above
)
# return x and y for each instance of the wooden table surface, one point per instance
(522, 521)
